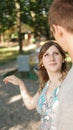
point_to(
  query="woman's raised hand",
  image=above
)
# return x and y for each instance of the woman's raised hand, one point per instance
(13, 79)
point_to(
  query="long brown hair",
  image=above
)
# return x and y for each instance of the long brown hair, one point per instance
(42, 71)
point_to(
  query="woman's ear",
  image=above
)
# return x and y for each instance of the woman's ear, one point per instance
(42, 65)
(63, 61)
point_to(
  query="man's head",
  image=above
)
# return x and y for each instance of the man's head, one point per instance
(61, 20)
(61, 13)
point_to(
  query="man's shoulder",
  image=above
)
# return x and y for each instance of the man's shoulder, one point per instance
(65, 113)
(67, 86)
(69, 77)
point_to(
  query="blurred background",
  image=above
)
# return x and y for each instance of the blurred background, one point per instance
(23, 29)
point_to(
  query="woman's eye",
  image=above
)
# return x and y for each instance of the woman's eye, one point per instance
(56, 53)
(46, 55)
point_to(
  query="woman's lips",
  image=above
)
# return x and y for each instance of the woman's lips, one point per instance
(53, 64)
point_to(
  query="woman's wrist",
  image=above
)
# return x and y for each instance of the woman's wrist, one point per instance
(22, 87)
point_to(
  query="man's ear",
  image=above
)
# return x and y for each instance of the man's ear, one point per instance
(54, 28)
(57, 29)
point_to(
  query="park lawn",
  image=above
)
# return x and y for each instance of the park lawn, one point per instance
(7, 54)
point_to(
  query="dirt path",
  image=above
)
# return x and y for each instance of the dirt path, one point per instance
(13, 114)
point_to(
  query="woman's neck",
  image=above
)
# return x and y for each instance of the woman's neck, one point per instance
(55, 76)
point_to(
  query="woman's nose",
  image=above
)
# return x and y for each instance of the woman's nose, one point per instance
(51, 57)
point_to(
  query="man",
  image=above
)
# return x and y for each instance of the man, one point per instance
(61, 25)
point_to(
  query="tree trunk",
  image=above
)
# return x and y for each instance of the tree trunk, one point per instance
(19, 26)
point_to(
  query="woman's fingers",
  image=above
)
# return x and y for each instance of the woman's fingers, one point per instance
(12, 79)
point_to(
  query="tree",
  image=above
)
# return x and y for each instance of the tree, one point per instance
(31, 12)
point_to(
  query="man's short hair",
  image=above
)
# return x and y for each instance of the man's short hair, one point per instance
(61, 13)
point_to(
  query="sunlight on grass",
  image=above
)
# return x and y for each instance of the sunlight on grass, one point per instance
(6, 49)
(6, 55)
(9, 53)
(30, 47)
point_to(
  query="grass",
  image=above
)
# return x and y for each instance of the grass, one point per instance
(8, 54)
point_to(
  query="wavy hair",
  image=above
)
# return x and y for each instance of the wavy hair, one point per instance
(43, 75)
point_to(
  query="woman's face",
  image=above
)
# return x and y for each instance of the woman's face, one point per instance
(52, 60)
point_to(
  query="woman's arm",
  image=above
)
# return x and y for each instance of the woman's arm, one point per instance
(29, 101)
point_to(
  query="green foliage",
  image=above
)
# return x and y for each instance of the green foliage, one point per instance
(7, 14)
(34, 13)
(39, 23)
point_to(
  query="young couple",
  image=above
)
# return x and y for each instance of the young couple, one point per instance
(54, 99)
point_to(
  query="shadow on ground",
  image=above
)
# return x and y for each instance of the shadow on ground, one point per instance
(13, 114)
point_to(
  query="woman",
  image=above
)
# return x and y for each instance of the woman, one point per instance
(52, 66)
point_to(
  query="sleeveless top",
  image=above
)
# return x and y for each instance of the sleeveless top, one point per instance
(48, 108)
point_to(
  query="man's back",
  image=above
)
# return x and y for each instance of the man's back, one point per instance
(65, 115)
